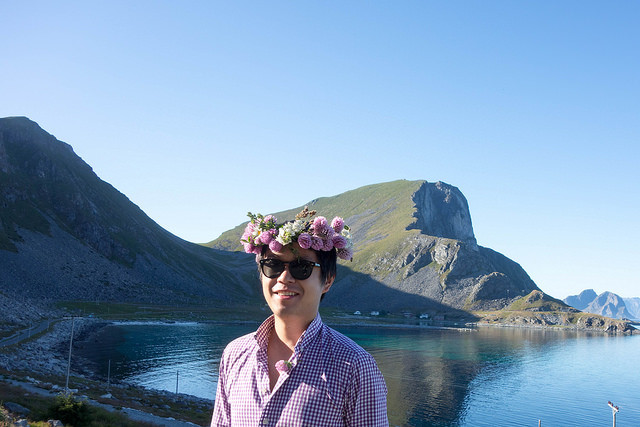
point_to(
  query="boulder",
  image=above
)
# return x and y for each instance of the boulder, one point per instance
(16, 408)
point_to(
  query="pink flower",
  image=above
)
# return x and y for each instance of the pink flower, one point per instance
(283, 366)
(320, 225)
(251, 249)
(329, 233)
(328, 245)
(269, 218)
(337, 224)
(345, 253)
(339, 241)
(317, 243)
(248, 231)
(304, 240)
(267, 236)
(275, 246)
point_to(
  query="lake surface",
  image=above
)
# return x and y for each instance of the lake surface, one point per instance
(436, 377)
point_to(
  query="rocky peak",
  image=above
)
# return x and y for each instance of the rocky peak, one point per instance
(610, 305)
(28, 139)
(443, 211)
(582, 300)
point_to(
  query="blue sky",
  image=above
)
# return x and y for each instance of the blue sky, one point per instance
(200, 111)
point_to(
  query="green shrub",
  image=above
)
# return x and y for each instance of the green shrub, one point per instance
(69, 410)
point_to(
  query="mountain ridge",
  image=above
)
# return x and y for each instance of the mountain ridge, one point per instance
(607, 304)
(65, 234)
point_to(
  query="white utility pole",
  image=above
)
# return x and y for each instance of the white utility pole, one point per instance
(615, 410)
(66, 387)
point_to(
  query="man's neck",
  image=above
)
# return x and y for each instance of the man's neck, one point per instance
(289, 330)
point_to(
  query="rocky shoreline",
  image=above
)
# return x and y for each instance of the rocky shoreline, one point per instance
(46, 355)
(43, 362)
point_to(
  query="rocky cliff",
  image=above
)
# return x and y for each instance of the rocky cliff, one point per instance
(415, 250)
(66, 234)
(610, 305)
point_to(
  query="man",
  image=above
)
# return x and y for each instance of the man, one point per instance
(294, 370)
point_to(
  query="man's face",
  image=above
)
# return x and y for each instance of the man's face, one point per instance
(291, 298)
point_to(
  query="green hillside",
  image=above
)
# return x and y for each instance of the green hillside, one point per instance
(376, 213)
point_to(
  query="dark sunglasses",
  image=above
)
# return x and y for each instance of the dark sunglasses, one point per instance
(300, 269)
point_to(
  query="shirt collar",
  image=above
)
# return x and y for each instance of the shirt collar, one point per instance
(309, 334)
(262, 334)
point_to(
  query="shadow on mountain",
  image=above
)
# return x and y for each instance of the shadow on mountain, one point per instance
(357, 291)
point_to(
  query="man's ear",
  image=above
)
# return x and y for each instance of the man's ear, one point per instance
(327, 284)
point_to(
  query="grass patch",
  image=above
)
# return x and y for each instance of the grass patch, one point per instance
(537, 301)
(197, 411)
(70, 410)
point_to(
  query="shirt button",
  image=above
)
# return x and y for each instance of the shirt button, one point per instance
(265, 421)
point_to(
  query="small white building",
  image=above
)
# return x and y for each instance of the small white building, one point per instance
(357, 313)
(424, 316)
(375, 313)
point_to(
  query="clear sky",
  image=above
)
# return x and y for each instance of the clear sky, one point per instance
(200, 111)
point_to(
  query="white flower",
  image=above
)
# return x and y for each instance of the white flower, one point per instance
(289, 231)
(347, 235)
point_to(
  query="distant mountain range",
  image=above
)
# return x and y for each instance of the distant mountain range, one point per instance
(606, 304)
(67, 235)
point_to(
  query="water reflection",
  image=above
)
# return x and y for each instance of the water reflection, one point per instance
(454, 378)
(482, 377)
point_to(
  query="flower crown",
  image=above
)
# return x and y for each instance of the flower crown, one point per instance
(310, 233)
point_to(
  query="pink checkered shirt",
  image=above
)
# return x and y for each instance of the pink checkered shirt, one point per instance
(332, 382)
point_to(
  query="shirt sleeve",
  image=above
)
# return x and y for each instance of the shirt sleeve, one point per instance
(221, 410)
(367, 396)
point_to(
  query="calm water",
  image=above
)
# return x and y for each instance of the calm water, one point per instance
(485, 377)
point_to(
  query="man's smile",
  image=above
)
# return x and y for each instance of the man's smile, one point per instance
(285, 294)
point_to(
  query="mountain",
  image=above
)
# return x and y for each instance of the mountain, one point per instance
(610, 305)
(581, 301)
(606, 304)
(633, 305)
(415, 250)
(67, 235)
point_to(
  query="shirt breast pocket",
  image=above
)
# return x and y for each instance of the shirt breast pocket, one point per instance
(317, 407)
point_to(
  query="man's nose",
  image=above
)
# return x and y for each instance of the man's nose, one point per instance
(286, 276)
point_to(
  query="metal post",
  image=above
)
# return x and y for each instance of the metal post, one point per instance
(109, 375)
(177, 381)
(615, 410)
(66, 387)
